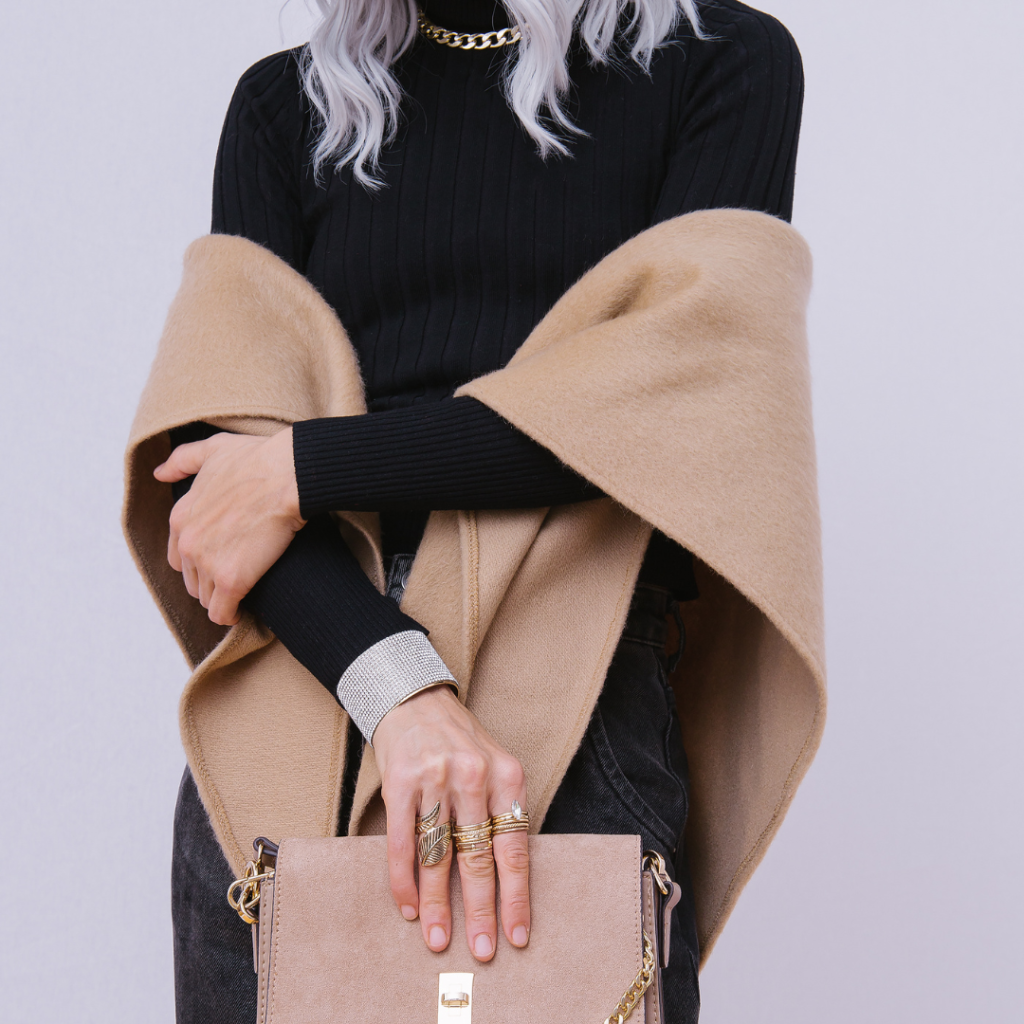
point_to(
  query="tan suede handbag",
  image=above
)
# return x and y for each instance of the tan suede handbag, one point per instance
(329, 947)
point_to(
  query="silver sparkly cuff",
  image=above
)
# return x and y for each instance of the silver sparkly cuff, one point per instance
(389, 672)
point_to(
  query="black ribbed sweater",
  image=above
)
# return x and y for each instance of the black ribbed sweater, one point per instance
(440, 275)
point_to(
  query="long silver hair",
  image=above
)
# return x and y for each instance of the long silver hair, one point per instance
(346, 68)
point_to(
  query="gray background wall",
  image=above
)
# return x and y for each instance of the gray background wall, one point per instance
(893, 892)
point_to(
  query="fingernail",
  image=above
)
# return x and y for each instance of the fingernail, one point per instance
(482, 946)
(409, 913)
(438, 938)
(519, 935)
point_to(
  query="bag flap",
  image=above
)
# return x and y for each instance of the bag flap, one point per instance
(341, 952)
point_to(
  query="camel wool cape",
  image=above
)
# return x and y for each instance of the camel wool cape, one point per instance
(674, 376)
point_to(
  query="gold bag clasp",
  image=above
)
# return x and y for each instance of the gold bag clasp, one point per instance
(454, 998)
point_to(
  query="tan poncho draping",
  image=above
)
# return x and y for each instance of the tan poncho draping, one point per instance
(674, 376)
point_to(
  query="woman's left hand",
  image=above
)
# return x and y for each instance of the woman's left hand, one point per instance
(236, 520)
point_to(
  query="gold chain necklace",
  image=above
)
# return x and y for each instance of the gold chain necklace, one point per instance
(467, 40)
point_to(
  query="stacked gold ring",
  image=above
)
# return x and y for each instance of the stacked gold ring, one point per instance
(516, 820)
(434, 839)
(473, 838)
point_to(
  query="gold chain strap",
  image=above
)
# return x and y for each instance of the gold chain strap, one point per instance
(635, 992)
(468, 40)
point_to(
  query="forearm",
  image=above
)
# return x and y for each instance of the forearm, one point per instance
(320, 604)
(358, 643)
(323, 608)
(446, 455)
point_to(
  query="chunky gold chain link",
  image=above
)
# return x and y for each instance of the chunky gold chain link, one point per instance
(244, 893)
(468, 40)
(635, 992)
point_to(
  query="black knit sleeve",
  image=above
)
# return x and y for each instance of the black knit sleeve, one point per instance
(261, 158)
(452, 454)
(738, 117)
(322, 606)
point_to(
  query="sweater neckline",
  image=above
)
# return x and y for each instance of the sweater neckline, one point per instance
(466, 15)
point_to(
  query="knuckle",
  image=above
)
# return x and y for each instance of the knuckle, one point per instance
(472, 771)
(510, 775)
(515, 906)
(477, 866)
(515, 857)
(401, 779)
(237, 584)
(188, 545)
(434, 771)
(434, 905)
(480, 908)
(226, 581)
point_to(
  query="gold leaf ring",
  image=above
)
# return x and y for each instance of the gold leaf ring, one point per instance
(433, 839)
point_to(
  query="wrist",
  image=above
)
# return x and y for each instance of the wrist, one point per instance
(386, 675)
(432, 704)
(441, 690)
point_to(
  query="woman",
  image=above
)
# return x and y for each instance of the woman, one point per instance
(442, 198)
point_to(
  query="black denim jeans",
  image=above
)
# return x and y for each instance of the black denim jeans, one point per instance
(629, 776)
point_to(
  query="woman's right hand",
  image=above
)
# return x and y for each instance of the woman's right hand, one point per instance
(431, 749)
